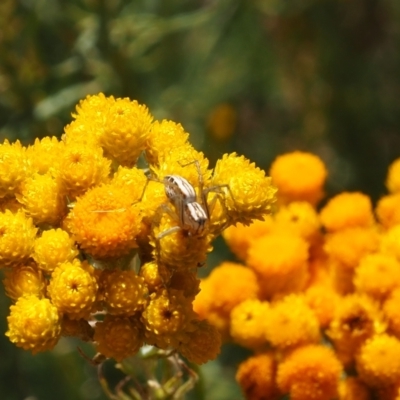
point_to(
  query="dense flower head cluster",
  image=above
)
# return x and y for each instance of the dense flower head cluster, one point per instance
(324, 321)
(103, 232)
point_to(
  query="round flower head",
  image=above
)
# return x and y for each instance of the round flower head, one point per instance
(123, 292)
(185, 281)
(14, 167)
(377, 275)
(388, 210)
(291, 322)
(151, 275)
(352, 388)
(239, 237)
(104, 223)
(356, 319)
(54, 247)
(132, 179)
(82, 167)
(349, 245)
(256, 377)
(378, 362)
(310, 373)
(73, 289)
(16, 239)
(299, 176)
(44, 154)
(24, 280)
(247, 326)
(166, 318)
(246, 192)
(43, 199)
(126, 127)
(164, 136)
(390, 242)
(391, 311)
(346, 210)
(79, 328)
(280, 261)
(393, 177)
(34, 324)
(118, 337)
(204, 344)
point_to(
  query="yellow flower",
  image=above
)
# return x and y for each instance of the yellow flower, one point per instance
(104, 223)
(299, 176)
(280, 261)
(377, 275)
(24, 280)
(204, 344)
(185, 281)
(126, 127)
(16, 239)
(388, 210)
(44, 154)
(166, 318)
(34, 324)
(390, 242)
(247, 326)
(118, 337)
(123, 292)
(151, 276)
(73, 289)
(291, 322)
(256, 377)
(250, 195)
(239, 237)
(164, 136)
(393, 177)
(132, 179)
(52, 248)
(14, 167)
(310, 373)
(352, 388)
(391, 311)
(378, 362)
(82, 167)
(346, 210)
(43, 199)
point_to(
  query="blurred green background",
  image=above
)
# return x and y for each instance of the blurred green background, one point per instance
(260, 77)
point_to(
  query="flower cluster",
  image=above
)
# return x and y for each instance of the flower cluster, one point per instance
(95, 247)
(317, 295)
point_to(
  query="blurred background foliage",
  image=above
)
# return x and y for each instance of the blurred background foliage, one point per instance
(260, 77)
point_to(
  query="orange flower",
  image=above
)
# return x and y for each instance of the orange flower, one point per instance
(393, 177)
(388, 210)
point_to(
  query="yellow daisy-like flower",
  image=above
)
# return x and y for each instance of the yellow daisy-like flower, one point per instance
(250, 195)
(82, 167)
(378, 362)
(204, 344)
(388, 210)
(391, 311)
(123, 292)
(393, 177)
(126, 127)
(53, 248)
(299, 176)
(239, 237)
(22, 281)
(132, 179)
(280, 261)
(14, 167)
(104, 223)
(291, 322)
(73, 289)
(346, 210)
(256, 377)
(11, 204)
(34, 324)
(43, 199)
(247, 326)
(166, 318)
(118, 337)
(377, 275)
(16, 239)
(352, 388)
(79, 328)
(44, 154)
(151, 276)
(310, 373)
(164, 136)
